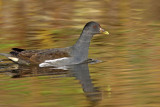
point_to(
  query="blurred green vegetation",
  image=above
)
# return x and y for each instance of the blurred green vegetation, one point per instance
(10, 45)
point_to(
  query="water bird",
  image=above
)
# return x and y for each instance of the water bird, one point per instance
(76, 54)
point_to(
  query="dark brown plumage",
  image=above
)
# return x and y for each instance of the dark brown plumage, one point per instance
(39, 56)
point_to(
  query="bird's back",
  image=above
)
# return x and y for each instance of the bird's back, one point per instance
(23, 56)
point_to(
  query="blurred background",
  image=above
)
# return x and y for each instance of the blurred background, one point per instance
(128, 75)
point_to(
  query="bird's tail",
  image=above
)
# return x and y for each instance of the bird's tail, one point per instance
(10, 57)
(5, 54)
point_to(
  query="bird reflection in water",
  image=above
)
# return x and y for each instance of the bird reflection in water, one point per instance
(79, 71)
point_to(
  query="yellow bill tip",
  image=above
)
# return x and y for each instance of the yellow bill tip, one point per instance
(106, 32)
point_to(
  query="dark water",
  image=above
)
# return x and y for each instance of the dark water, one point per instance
(128, 75)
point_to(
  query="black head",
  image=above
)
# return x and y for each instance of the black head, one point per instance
(93, 28)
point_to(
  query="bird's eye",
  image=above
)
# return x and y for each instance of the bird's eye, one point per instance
(94, 26)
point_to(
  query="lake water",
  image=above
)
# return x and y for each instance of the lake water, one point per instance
(128, 76)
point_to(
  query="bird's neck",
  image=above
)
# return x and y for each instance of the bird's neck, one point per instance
(80, 48)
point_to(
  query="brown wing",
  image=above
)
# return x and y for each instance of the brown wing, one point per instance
(38, 56)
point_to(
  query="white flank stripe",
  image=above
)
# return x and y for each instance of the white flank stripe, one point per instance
(53, 62)
(13, 59)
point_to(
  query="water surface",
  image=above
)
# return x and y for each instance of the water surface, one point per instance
(128, 75)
